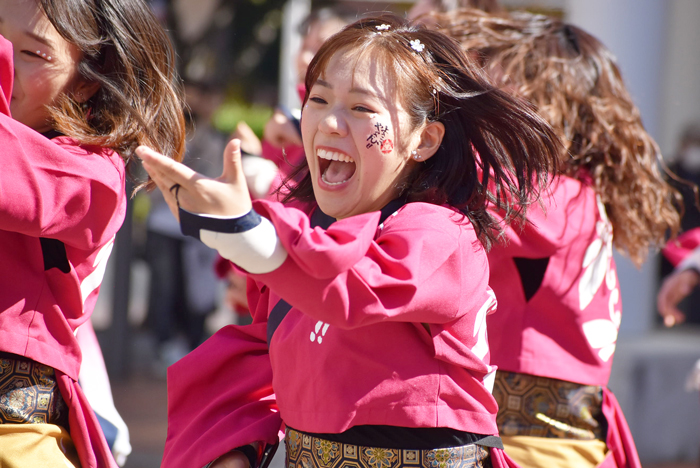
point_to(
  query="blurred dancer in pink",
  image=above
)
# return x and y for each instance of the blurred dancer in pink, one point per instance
(554, 276)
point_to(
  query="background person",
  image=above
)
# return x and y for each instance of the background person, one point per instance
(85, 88)
(554, 276)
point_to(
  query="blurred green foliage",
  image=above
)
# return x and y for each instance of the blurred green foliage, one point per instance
(233, 111)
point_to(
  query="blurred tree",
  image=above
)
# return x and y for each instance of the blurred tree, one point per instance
(232, 44)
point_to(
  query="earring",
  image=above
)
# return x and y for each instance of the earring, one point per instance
(83, 103)
(415, 155)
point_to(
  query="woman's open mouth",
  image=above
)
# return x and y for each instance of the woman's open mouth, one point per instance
(336, 168)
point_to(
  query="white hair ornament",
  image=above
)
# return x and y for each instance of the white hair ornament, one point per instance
(417, 45)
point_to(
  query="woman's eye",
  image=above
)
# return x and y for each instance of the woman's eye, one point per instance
(363, 109)
(37, 54)
(317, 100)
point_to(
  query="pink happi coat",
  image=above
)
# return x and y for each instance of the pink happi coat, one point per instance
(568, 329)
(74, 196)
(386, 327)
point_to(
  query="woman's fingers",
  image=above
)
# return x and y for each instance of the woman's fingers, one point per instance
(233, 172)
(184, 188)
(169, 176)
(232, 161)
(674, 289)
(163, 167)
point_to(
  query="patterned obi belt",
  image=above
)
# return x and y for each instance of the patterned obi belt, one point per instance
(541, 407)
(308, 451)
(29, 393)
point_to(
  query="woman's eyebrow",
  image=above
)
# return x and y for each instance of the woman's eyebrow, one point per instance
(355, 89)
(36, 37)
(47, 42)
(363, 91)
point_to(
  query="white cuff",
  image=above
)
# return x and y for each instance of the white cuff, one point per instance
(257, 250)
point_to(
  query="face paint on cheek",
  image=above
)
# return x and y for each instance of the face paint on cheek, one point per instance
(378, 137)
(387, 146)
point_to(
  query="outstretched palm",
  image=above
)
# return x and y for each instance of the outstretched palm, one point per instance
(182, 187)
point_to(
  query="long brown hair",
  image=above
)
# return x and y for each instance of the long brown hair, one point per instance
(492, 140)
(128, 53)
(574, 82)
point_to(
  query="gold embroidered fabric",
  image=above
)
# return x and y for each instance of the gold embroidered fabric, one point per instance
(29, 393)
(538, 406)
(306, 451)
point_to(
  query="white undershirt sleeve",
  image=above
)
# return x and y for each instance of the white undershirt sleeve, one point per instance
(250, 240)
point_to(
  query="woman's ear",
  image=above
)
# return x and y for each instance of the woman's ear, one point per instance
(84, 90)
(430, 141)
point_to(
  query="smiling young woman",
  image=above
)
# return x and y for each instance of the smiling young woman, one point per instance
(370, 297)
(361, 137)
(45, 64)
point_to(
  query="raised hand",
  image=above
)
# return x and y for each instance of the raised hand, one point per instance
(226, 195)
(674, 289)
(281, 132)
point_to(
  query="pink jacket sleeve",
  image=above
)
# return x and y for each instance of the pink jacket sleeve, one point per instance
(56, 189)
(346, 278)
(220, 397)
(622, 451)
(678, 249)
(6, 75)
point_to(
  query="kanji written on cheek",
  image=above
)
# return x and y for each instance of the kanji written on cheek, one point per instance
(378, 137)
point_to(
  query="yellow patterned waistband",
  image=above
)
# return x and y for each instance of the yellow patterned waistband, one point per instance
(542, 407)
(307, 451)
(29, 393)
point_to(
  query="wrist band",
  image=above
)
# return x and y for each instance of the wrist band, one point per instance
(191, 224)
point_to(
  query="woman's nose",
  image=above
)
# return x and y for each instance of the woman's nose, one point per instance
(334, 124)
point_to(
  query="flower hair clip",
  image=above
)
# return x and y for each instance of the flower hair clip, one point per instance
(383, 27)
(416, 45)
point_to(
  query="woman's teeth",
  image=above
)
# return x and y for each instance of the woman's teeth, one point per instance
(334, 156)
(323, 178)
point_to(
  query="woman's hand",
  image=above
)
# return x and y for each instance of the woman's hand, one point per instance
(250, 143)
(234, 459)
(226, 195)
(280, 131)
(674, 289)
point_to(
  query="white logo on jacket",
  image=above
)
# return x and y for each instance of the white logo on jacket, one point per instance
(600, 333)
(319, 332)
